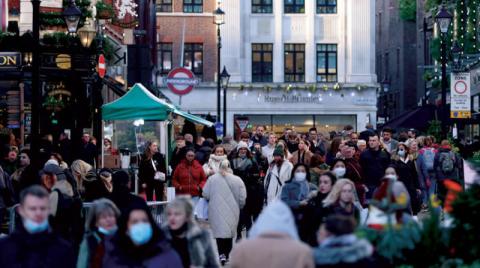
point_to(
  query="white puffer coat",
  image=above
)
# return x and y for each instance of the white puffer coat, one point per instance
(276, 178)
(226, 195)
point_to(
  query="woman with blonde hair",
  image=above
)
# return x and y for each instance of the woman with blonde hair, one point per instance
(226, 194)
(343, 200)
(83, 174)
(194, 244)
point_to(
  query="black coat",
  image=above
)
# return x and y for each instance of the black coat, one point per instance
(374, 164)
(95, 189)
(146, 172)
(123, 199)
(315, 216)
(407, 173)
(68, 221)
(88, 153)
(43, 250)
(253, 183)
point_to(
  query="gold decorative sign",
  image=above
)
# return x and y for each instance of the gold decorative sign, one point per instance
(10, 59)
(63, 61)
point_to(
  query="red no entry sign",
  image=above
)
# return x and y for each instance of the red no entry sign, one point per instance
(102, 66)
(181, 81)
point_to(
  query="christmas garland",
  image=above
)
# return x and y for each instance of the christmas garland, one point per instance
(313, 88)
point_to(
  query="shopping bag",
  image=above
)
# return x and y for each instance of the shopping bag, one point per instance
(201, 209)
(170, 194)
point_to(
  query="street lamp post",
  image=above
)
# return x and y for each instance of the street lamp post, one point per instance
(443, 19)
(35, 123)
(218, 19)
(225, 77)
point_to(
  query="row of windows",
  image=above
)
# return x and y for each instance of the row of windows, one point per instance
(262, 61)
(258, 6)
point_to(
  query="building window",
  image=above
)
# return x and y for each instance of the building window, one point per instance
(262, 67)
(262, 6)
(294, 62)
(326, 63)
(326, 6)
(193, 6)
(294, 6)
(193, 58)
(165, 57)
(164, 5)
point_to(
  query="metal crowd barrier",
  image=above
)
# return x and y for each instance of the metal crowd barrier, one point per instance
(157, 209)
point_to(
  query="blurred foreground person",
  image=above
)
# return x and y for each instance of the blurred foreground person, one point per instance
(194, 245)
(273, 242)
(34, 244)
(139, 243)
(100, 225)
(121, 195)
(340, 247)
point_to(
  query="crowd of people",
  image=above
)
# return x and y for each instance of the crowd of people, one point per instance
(298, 197)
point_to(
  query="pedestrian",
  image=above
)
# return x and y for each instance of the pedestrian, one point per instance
(10, 160)
(100, 224)
(7, 194)
(65, 148)
(58, 157)
(121, 195)
(152, 172)
(259, 136)
(226, 195)
(284, 146)
(353, 170)
(26, 175)
(387, 140)
(343, 200)
(244, 166)
(278, 173)
(303, 154)
(407, 173)
(362, 146)
(178, 153)
(273, 242)
(261, 160)
(189, 140)
(447, 165)
(213, 164)
(316, 211)
(100, 187)
(296, 193)
(292, 142)
(369, 131)
(189, 177)
(139, 242)
(426, 171)
(88, 150)
(194, 244)
(340, 247)
(317, 142)
(267, 150)
(373, 161)
(317, 168)
(334, 150)
(33, 244)
(202, 155)
(229, 144)
(65, 208)
(245, 137)
(84, 175)
(199, 142)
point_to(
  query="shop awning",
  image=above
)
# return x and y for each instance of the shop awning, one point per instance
(139, 103)
(417, 118)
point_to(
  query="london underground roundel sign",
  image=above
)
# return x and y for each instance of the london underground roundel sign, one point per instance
(181, 81)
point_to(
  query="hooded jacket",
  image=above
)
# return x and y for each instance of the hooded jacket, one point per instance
(189, 178)
(273, 234)
(344, 251)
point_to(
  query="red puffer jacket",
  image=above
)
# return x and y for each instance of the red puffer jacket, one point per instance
(189, 178)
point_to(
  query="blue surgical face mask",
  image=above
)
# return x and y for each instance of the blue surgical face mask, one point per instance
(107, 232)
(300, 176)
(140, 233)
(35, 227)
(340, 172)
(401, 153)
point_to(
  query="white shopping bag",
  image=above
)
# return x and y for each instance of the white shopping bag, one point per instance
(170, 194)
(201, 209)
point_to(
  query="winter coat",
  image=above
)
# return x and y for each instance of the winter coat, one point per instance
(151, 255)
(338, 209)
(292, 193)
(42, 250)
(316, 172)
(457, 165)
(7, 195)
(344, 251)
(273, 242)
(88, 153)
(189, 178)
(226, 195)
(89, 245)
(374, 164)
(96, 189)
(407, 173)
(201, 247)
(262, 140)
(267, 152)
(391, 145)
(315, 215)
(306, 156)
(203, 154)
(213, 164)
(275, 179)
(146, 171)
(248, 170)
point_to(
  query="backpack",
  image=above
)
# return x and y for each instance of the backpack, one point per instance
(429, 158)
(447, 162)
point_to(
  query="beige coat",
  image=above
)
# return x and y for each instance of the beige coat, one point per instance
(271, 250)
(226, 196)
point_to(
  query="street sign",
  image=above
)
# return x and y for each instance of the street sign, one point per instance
(460, 101)
(242, 122)
(102, 66)
(181, 81)
(219, 129)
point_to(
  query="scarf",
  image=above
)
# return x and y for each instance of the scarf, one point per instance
(241, 164)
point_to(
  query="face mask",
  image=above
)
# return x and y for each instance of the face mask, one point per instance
(340, 172)
(300, 176)
(401, 153)
(141, 233)
(242, 155)
(107, 232)
(391, 176)
(34, 227)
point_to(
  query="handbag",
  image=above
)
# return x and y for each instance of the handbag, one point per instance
(159, 176)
